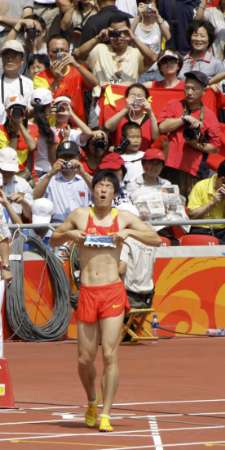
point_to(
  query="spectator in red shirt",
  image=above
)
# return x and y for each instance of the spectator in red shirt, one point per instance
(193, 132)
(138, 109)
(65, 77)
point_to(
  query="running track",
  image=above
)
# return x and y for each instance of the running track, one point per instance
(171, 395)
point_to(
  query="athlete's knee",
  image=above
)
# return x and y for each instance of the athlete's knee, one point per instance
(109, 356)
(86, 358)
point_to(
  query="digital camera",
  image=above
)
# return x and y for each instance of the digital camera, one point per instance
(67, 165)
(59, 54)
(17, 112)
(100, 144)
(114, 34)
(149, 9)
(195, 134)
(191, 134)
(32, 33)
(61, 107)
(122, 147)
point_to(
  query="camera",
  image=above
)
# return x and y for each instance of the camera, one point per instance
(114, 34)
(61, 107)
(138, 101)
(32, 33)
(100, 144)
(122, 147)
(191, 134)
(67, 165)
(17, 112)
(59, 54)
(195, 134)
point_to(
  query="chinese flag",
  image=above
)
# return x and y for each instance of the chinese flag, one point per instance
(112, 100)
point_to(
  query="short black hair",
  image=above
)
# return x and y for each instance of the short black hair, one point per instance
(129, 126)
(117, 18)
(109, 175)
(139, 86)
(221, 170)
(57, 36)
(42, 58)
(196, 24)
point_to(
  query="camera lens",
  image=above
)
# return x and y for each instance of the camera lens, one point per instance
(114, 34)
(100, 144)
(17, 112)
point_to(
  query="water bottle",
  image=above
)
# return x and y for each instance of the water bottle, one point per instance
(155, 325)
(216, 332)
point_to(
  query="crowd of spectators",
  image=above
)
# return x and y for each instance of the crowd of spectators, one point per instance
(126, 85)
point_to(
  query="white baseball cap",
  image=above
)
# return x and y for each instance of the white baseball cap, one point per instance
(62, 98)
(15, 100)
(9, 160)
(42, 209)
(13, 44)
(41, 96)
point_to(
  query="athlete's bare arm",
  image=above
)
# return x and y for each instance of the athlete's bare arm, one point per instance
(72, 229)
(132, 226)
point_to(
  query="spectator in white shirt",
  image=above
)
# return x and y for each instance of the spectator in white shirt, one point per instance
(15, 193)
(128, 6)
(12, 82)
(62, 185)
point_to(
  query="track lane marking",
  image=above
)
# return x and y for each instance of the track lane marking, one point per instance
(154, 433)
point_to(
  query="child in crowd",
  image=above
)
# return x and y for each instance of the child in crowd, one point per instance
(132, 153)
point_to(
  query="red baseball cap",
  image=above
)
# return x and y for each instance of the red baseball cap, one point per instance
(153, 153)
(112, 161)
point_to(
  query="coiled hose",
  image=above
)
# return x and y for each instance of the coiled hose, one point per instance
(17, 316)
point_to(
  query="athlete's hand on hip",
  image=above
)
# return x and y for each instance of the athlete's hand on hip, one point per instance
(119, 238)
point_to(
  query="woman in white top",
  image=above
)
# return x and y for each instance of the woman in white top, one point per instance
(151, 29)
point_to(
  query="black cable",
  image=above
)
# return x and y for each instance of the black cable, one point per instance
(17, 316)
(169, 330)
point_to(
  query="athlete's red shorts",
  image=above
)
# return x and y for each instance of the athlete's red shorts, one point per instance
(98, 302)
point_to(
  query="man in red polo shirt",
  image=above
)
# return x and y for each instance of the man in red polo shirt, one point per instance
(65, 77)
(193, 132)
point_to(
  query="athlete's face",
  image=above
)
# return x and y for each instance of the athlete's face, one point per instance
(103, 193)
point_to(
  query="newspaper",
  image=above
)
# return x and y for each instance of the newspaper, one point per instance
(160, 202)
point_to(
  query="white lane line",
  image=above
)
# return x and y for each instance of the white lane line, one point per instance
(23, 432)
(197, 428)
(30, 422)
(174, 402)
(187, 414)
(81, 418)
(154, 433)
(48, 408)
(180, 444)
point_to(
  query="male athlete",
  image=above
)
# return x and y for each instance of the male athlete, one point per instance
(99, 233)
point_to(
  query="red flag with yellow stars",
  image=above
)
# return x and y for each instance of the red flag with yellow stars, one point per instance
(111, 101)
